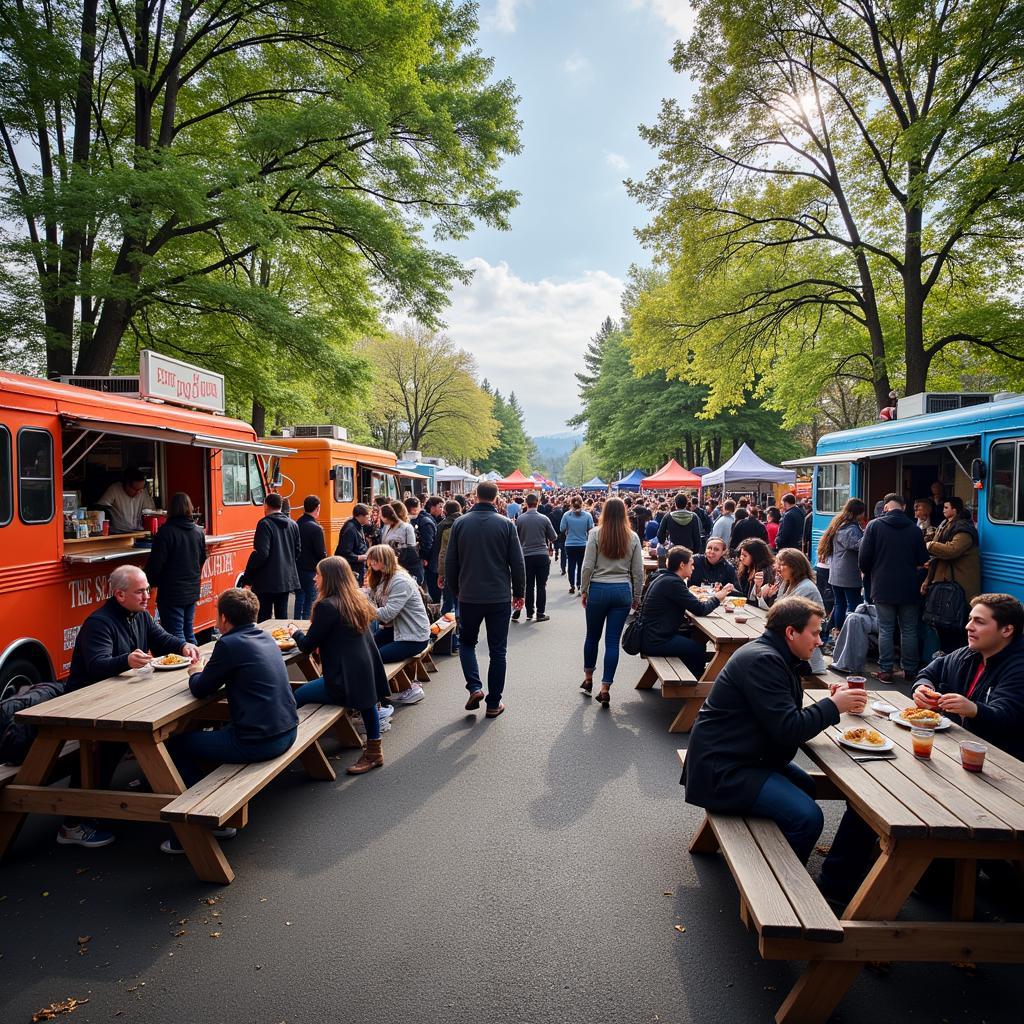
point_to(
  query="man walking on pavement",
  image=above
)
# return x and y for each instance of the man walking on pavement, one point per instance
(272, 572)
(535, 534)
(434, 512)
(485, 571)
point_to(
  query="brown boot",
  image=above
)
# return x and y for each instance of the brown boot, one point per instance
(372, 758)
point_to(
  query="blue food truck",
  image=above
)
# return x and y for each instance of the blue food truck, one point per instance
(975, 450)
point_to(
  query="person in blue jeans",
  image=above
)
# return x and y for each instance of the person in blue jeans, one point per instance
(262, 722)
(740, 756)
(613, 579)
(398, 606)
(575, 528)
(314, 551)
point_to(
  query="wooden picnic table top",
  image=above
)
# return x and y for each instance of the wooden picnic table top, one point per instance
(721, 625)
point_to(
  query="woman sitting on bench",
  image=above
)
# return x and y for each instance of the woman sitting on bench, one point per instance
(353, 671)
(740, 756)
(397, 604)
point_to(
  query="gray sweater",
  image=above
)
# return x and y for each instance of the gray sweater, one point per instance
(844, 571)
(598, 568)
(805, 588)
(402, 606)
(535, 532)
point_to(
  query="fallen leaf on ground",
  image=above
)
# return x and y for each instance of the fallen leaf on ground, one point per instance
(178, 934)
(666, 894)
(680, 927)
(55, 1009)
(215, 935)
(46, 894)
(210, 900)
(823, 849)
(83, 939)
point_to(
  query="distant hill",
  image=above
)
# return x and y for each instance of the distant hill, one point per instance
(557, 444)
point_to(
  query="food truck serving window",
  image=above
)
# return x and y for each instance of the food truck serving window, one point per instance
(833, 488)
(344, 483)
(6, 478)
(1006, 483)
(241, 482)
(35, 475)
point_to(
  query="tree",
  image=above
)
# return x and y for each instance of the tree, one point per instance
(175, 139)
(592, 357)
(845, 184)
(426, 398)
(515, 449)
(581, 466)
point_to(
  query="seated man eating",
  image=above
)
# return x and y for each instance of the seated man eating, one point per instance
(263, 719)
(713, 568)
(740, 757)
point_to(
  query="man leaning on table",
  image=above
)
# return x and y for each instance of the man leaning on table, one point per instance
(119, 636)
(983, 685)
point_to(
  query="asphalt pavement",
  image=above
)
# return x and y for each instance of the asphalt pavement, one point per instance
(531, 868)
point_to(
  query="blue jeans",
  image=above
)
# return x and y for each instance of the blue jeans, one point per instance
(306, 594)
(907, 615)
(787, 797)
(449, 604)
(315, 692)
(396, 650)
(560, 552)
(177, 620)
(847, 599)
(223, 747)
(430, 577)
(608, 607)
(693, 655)
(574, 559)
(471, 617)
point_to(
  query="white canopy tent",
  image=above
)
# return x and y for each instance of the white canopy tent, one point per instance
(747, 469)
(454, 475)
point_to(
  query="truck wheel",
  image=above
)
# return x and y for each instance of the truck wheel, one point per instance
(15, 674)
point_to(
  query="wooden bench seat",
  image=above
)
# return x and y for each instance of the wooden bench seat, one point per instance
(217, 798)
(778, 898)
(66, 760)
(677, 683)
(445, 628)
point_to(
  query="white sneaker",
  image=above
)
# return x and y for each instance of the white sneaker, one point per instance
(384, 713)
(411, 696)
(385, 726)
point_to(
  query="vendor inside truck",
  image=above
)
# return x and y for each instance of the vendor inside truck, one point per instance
(124, 502)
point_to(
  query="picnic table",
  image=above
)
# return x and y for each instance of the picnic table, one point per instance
(728, 635)
(144, 710)
(650, 564)
(921, 810)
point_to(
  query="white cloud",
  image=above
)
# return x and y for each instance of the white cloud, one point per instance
(529, 336)
(676, 14)
(616, 161)
(576, 65)
(503, 16)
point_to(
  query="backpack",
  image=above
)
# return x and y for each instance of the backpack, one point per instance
(16, 737)
(945, 605)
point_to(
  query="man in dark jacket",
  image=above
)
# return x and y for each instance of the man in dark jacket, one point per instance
(175, 568)
(746, 526)
(352, 541)
(713, 568)
(483, 563)
(272, 570)
(740, 756)
(313, 552)
(536, 535)
(555, 515)
(680, 526)
(426, 524)
(791, 528)
(118, 636)
(890, 556)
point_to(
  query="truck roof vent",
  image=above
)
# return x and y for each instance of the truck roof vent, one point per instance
(927, 402)
(331, 431)
(125, 386)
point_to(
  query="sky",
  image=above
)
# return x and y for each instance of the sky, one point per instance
(588, 72)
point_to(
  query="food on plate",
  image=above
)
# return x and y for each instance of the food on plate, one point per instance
(171, 659)
(280, 633)
(864, 735)
(920, 716)
(286, 644)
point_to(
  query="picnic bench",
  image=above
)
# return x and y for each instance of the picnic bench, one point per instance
(677, 682)
(921, 811)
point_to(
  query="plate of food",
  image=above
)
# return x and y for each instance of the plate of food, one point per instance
(170, 661)
(865, 738)
(921, 717)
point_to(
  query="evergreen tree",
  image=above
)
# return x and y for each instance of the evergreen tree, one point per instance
(592, 357)
(515, 448)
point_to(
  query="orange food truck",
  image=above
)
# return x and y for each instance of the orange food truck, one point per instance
(61, 447)
(323, 462)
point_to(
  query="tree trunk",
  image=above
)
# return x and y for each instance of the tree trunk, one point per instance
(259, 418)
(913, 295)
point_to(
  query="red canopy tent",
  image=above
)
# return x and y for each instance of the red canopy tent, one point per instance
(669, 477)
(515, 481)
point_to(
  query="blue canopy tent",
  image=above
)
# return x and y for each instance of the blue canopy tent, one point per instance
(597, 484)
(631, 482)
(700, 470)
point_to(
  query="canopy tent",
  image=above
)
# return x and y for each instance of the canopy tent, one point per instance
(454, 475)
(541, 481)
(597, 484)
(747, 469)
(669, 477)
(631, 482)
(493, 477)
(515, 481)
(700, 470)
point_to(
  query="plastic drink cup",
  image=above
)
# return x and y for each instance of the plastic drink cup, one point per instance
(738, 602)
(728, 608)
(972, 755)
(922, 740)
(856, 682)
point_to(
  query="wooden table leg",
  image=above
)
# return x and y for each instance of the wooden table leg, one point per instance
(683, 722)
(824, 983)
(965, 881)
(87, 763)
(345, 733)
(34, 771)
(201, 848)
(705, 841)
(648, 679)
(723, 652)
(316, 764)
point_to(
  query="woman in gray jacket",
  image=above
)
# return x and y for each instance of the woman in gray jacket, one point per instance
(841, 543)
(398, 606)
(795, 578)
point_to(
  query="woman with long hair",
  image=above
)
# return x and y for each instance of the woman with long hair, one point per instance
(955, 558)
(613, 578)
(576, 525)
(397, 533)
(353, 670)
(794, 577)
(841, 543)
(397, 605)
(175, 568)
(755, 570)
(772, 523)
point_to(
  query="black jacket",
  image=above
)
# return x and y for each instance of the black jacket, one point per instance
(311, 536)
(426, 533)
(276, 547)
(680, 526)
(744, 528)
(890, 555)
(106, 639)
(353, 672)
(665, 606)
(791, 530)
(176, 562)
(555, 515)
(352, 542)
(249, 664)
(999, 696)
(484, 558)
(705, 523)
(704, 572)
(751, 725)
